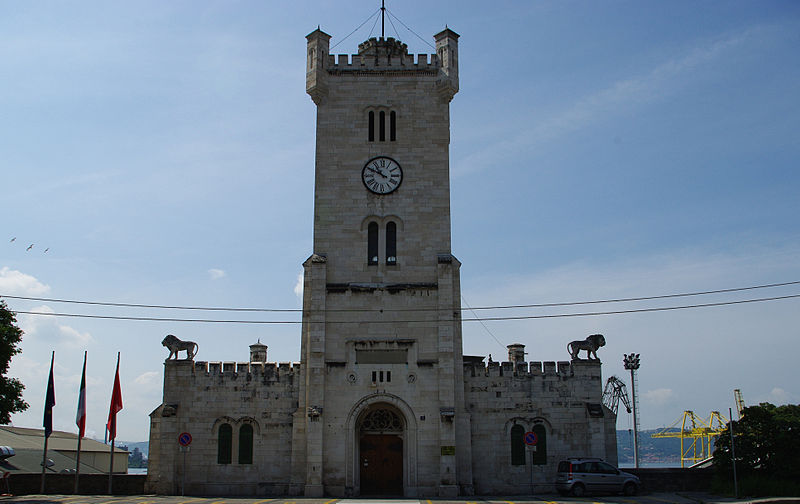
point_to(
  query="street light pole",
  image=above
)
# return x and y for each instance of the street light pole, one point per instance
(631, 362)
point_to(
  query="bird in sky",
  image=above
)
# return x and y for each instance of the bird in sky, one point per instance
(29, 247)
(45, 250)
(13, 240)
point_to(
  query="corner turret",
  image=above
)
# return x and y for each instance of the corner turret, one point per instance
(317, 57)
(447, 50)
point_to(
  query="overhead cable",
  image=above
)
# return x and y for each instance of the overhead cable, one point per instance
(504, 307)
(521, 317)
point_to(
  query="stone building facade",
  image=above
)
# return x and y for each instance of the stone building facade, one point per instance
(382, 402)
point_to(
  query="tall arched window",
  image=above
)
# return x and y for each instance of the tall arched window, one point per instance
(540, 455)
(372, 243)
(224, 444)
(246, 444)
(371, 134)
(392, 126)
(382, 126)
(517, 445)
(391, 243)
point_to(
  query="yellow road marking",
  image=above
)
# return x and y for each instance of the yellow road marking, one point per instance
(263, 501)
(331, 501)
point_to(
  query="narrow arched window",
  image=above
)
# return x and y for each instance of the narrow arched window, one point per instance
(540, 455)
(517, 445)
(246, 444)
(392, 126)
(391, 243)
(371, 133)
(372, 243)
(224, 444)
(382, 126)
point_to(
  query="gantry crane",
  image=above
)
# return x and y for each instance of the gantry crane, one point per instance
(700, 431)
(737, 395)
(613, 392)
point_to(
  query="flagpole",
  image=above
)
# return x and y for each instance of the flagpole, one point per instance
(49, 402)
(111, 467)
(80, 420)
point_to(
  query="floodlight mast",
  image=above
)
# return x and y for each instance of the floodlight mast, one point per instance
(631, 362)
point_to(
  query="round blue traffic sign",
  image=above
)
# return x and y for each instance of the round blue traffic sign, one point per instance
(530, 438)
(185, 439)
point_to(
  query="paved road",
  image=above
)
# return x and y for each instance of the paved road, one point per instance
(160, 499)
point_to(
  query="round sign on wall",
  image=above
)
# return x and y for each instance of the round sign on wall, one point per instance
(530, 438)
(185, 439)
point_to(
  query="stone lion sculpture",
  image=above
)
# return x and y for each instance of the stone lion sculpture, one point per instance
(590, 344)
(176, 345)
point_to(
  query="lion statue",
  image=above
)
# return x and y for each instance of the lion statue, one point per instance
(590, 344)
(176, 345)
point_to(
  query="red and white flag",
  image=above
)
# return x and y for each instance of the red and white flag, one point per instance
(116, 405)
(80, 418)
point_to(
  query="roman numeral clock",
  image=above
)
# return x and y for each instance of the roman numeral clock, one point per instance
(382, 175)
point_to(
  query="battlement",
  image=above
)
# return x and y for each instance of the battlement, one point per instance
(369, 62)
(548, 369)
(268, 371)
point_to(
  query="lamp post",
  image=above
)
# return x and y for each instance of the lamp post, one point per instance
(631, 362)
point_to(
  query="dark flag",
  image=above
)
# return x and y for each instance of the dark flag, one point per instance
(49, 401)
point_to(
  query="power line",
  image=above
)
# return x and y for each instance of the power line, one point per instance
(502, 307)
(358, 28)
(521, 317)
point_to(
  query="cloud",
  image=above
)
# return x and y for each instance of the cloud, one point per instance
(659, 397)
(779, 396)
(13, 282)
(47, 328)
(148, 379)
(298, 286)
(216, 274)
(625, 95)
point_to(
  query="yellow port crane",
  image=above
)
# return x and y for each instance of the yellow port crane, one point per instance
(697, 430)
(737, 395)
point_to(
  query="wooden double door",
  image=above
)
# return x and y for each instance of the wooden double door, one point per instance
(381, 464)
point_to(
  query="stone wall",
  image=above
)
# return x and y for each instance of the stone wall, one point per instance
(198, 399)
(553, 395)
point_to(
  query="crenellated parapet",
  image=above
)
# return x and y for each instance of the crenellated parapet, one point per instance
(562, 370)
(249, 371)
(381, 56)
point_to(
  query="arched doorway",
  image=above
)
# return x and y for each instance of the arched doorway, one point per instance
(380, 441)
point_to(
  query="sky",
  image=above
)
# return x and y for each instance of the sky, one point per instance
(162, 153)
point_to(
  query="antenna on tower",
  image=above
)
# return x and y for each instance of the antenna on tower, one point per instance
(383, 14)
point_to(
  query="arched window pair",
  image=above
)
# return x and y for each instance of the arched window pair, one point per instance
(373, 232)
(225, 444)
(518, 448)
(381, 126)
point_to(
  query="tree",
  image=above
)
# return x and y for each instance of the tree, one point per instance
(767, 440)
(10, 388)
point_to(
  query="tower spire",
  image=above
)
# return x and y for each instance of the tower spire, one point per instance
(383, 13)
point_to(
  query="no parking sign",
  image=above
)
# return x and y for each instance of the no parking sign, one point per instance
(185, 439)
(530, 439)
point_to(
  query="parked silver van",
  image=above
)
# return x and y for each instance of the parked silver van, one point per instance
(578, 476)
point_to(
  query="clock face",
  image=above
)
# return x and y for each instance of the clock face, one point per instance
(382, 175)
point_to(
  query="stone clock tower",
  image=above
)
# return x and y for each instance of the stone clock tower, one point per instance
(381, 386)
